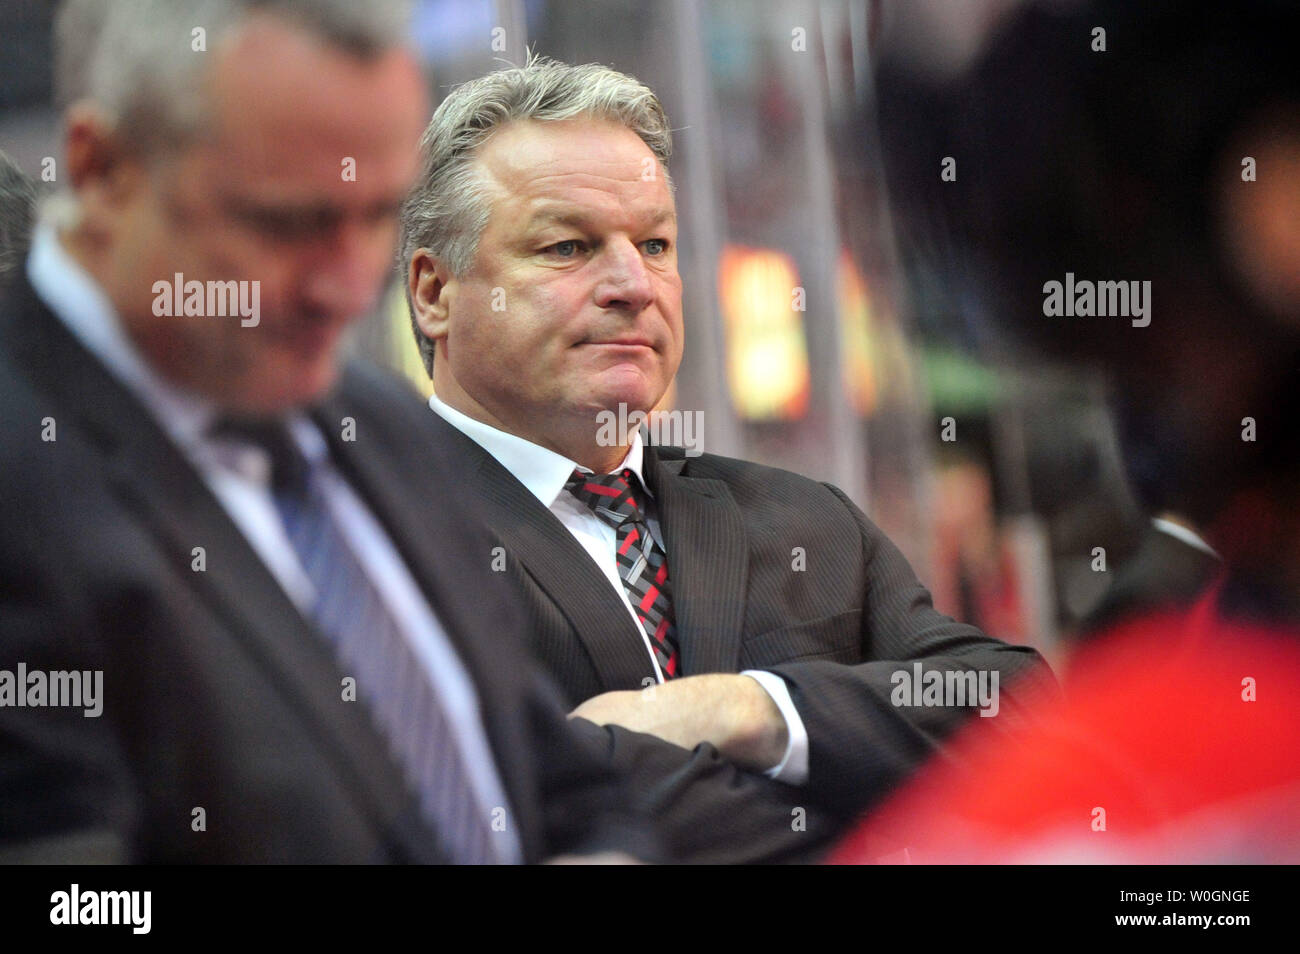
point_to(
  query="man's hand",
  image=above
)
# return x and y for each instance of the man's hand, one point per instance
(731, 711)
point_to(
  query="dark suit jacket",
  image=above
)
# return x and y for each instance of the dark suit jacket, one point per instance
(836, 631)
(218, 694)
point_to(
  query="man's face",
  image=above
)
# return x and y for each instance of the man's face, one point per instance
(268, 194)
(573, 304)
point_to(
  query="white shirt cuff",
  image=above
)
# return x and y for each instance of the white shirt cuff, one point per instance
(793, 767)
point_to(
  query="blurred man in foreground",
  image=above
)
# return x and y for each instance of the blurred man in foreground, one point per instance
(540, 246)
(238, 623)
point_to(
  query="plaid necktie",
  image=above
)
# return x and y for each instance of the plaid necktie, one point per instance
(642, 563)
(392, 683)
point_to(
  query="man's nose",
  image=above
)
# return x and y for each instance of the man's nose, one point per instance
(625, 281)
(345, 279)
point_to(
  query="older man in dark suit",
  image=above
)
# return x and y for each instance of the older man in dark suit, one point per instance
(240, 618)
(541, 247)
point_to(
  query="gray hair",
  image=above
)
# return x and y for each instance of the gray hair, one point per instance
(136, 58)
(448, 207)
(17, 201)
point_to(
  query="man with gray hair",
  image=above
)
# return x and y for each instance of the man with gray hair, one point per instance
(227, 522)
(539, 249)
(17, 202)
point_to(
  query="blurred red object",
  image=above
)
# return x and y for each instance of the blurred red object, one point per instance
(1178, 740)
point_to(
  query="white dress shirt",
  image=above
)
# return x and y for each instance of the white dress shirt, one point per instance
(240, 480)
(544, 473)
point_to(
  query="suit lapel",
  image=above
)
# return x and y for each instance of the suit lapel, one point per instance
(156, 482)
(173, 501)
(708, 562)
(415, 498)
(558, 564)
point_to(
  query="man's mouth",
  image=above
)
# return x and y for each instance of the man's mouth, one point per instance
(623, 343)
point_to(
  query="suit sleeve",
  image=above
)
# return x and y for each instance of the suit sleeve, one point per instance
(860, 743)
(586, 805)
(605, 788)
(707, 811)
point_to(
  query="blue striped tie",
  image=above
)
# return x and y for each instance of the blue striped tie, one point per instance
(368, 644)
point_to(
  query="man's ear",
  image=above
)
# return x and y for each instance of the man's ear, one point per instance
(430, 285)
(99, 166)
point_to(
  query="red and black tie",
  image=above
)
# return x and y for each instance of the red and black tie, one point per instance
(642, 563)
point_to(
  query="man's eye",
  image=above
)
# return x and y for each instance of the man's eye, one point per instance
(656, 246)
(287, 225)
(566, 249)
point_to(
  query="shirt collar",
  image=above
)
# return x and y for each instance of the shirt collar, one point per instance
(1186, 535)
(541, 470)
(77, 301)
